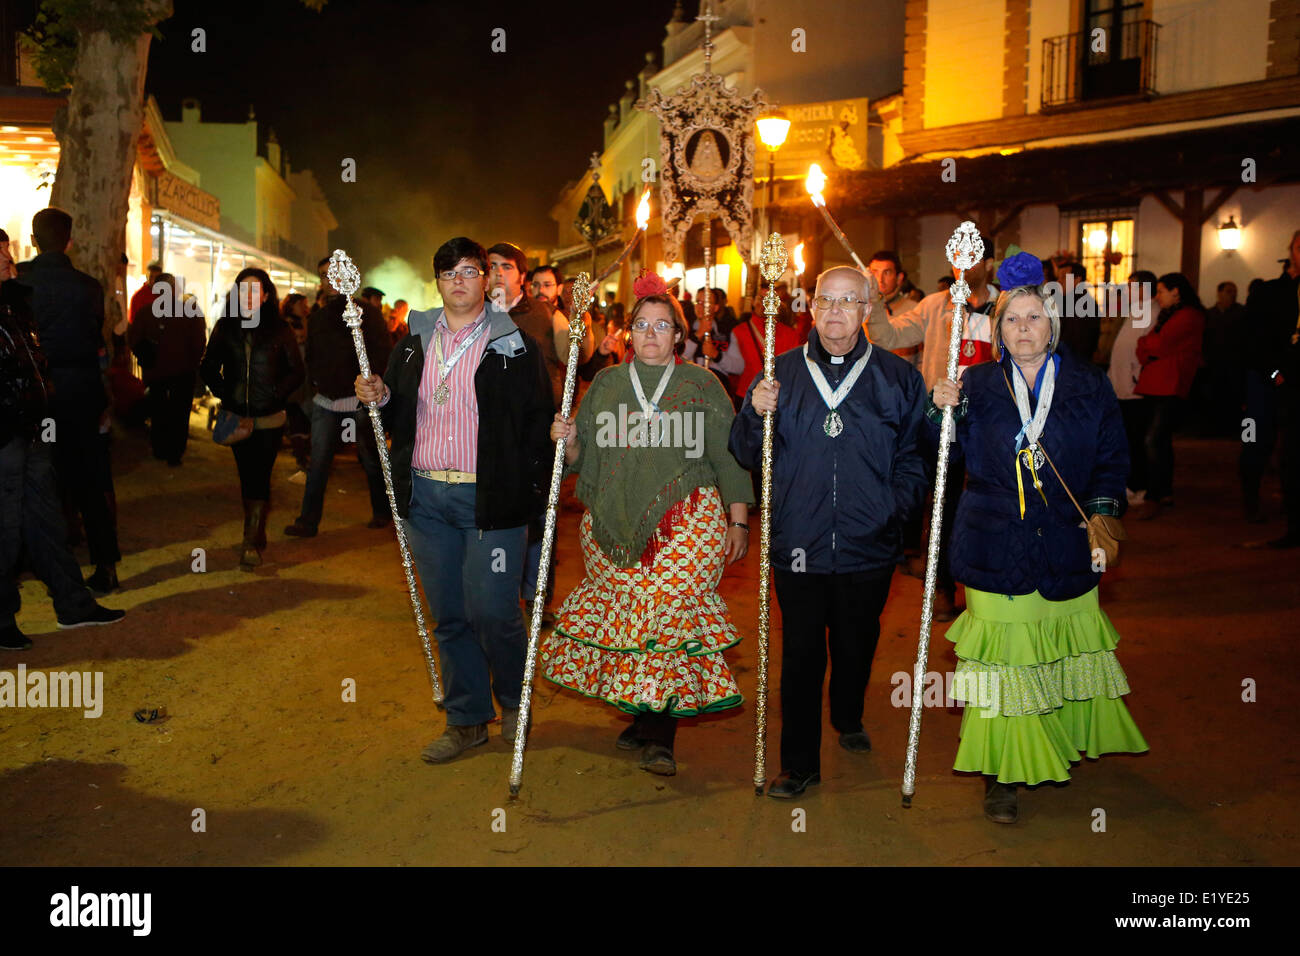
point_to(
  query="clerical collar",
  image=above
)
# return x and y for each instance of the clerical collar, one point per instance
(820, 354)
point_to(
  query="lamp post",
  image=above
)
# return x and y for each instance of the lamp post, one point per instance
(773, 127)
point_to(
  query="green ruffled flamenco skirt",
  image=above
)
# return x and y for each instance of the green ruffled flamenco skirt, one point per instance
(1042, 686)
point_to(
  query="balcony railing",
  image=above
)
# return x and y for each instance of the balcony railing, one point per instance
(1078, 68)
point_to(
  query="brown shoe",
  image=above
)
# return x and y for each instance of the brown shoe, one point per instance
(1001, 805)
(454, 742)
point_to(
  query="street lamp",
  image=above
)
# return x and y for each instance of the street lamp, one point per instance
(773, 127)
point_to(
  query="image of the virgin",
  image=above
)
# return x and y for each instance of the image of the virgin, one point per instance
(707, 155)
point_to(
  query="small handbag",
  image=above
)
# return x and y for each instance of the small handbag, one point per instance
(1105, 532)
(229, 428)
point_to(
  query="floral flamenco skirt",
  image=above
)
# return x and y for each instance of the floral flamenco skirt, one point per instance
(650, 637)
(1042, 686)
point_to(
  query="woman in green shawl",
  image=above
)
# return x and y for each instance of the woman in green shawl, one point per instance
(667, 510)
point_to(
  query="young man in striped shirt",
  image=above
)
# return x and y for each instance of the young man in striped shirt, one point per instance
(467, 400)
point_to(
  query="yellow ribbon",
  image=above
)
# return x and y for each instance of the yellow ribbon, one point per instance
(1028, 456)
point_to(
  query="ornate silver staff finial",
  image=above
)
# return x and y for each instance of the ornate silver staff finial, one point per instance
(581, 298)
(964, 250)
(343, 275)
(775, 258)
(345, 279)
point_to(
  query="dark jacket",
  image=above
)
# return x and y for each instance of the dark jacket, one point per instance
(178, 339)
(515, 410)
(68, 309)
(993, 549)
(275, 363)
(840, 501)
(1271, 315)
(535, 318)
(68, 306)
(332, 365)
(24, 376)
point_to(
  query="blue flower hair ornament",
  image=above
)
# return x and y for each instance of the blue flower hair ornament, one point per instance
(1020, 269)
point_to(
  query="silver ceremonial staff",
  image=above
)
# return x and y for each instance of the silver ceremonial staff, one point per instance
(774, 263)
(577, 329)
(345, 278)
(965, 249)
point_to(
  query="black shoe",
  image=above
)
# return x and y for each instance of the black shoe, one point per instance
(103, 582)
(300, 530)
(1000, 802)
(857, 742)
(100, 615)
(658, 759)
(378, 523)
(12, 639)
(789, 785)
(629, 739)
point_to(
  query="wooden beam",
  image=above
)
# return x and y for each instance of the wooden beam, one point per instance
(1006, 220)
(1164, 199)
(1192, 222)
(1219, 200)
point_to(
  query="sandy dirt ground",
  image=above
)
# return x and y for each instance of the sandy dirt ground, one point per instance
(250, 669)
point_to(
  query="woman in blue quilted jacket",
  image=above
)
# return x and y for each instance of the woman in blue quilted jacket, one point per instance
(1036, 653)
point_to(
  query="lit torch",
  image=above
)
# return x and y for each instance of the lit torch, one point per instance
(798, 261)
(815, 184)
(642, 220)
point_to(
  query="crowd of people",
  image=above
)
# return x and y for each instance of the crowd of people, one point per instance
(1063, 423)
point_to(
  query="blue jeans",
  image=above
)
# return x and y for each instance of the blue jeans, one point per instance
(326, 437)
(471, 579)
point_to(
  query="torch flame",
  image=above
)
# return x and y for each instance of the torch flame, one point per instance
(798, 259)
(815, 183)
(643, 210)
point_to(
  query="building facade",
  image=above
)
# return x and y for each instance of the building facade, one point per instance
(1129, 132)
(822, 62)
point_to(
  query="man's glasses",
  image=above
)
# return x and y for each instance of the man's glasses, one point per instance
(469, 272)
(826, 302)
(644, 325)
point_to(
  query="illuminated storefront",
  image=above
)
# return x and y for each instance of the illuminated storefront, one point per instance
(169, 220)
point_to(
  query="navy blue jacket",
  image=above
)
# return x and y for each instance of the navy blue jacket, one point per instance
(841, 501)
(992, 548)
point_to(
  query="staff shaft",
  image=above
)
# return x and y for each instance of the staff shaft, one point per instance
(932, 562)
(770, 305)
(576, 332)
(376, 422)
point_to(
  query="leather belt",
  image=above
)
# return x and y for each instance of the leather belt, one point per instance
(450, 476)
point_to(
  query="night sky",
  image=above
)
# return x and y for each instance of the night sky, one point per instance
(449, 137)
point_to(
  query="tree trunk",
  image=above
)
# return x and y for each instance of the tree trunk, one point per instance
(97, 132)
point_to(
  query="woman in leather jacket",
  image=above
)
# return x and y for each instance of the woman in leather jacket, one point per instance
(252, 364)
